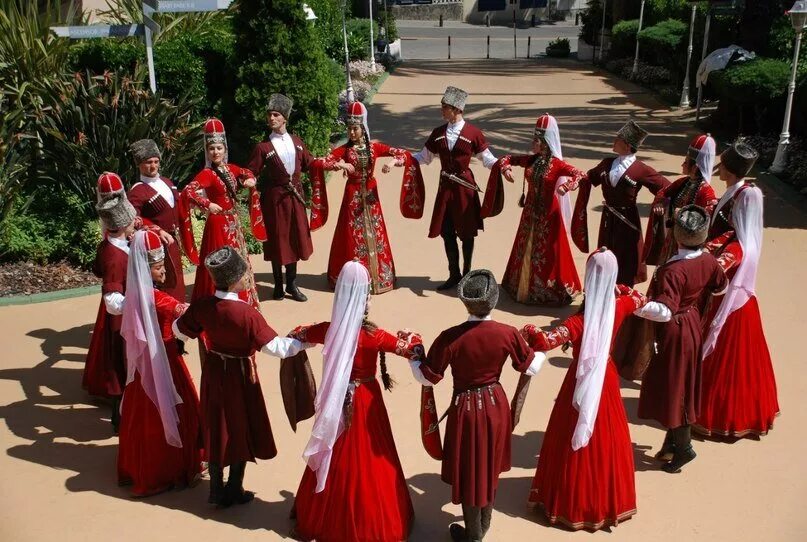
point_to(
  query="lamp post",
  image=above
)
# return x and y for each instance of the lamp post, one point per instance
(372, 41)
(602, 29)
(635, 69)
(703, 56)
(685, 90)
(798, 18)
(351, 97)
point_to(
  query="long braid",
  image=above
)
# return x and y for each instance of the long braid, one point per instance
(386, 379)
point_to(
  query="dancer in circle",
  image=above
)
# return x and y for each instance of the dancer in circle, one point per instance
(585, 474)
(160, 445)
(361, 233)
(353, 487)
(738, 384)
(541, 270)
(215, 189)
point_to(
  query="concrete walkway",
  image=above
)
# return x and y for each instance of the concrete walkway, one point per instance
(59, 480)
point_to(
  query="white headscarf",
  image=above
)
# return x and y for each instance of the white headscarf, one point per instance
(341, 341)
(595, 347)
(552, 138)
(145, 351)
(705, 162)
(747, 220)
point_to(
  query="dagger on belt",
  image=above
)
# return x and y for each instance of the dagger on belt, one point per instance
(459, 180)
(621, 217)
(293, 191)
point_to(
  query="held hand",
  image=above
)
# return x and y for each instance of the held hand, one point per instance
(386, 168)
(166, 237)
(214, 208)
(347, 168)
(563, 189)
(658, 208)
(508, 174)
(249, 183)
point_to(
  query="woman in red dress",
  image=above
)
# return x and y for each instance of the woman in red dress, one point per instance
(360, 230)
(541, 270)
(738, 386)
(160, 447)
(215, 189)
(353, 488)
(585, 478)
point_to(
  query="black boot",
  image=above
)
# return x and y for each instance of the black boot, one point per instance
(467, 255)
(115, 415)
(291, 287)
(682, 436)
(218, 495)
(487, 515)
(665, 454)
(453, 256)
(277, 271)
(235, 484)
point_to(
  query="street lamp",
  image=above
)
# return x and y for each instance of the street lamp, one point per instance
(636, 57)
(798, 18)
(372, 41)
(309, 13)
(602, 29)
(351, 97)
(685, 90)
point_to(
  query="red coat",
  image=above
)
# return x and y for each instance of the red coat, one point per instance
(671, 386)
(154, 210)
(721, 220)
(234, 419)
(659, 242)
(105, 367)
(288, 237)
(623, 239)
(479, 429)
(460, 203)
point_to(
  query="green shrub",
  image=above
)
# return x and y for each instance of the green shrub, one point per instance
(665, 43)
(101, 55)
(623, 38)
(754, 81)
(591, 21)
(781, 40)
(661, 10)
(279, 51)
(387, 19)
(558, 48)
(358, 38)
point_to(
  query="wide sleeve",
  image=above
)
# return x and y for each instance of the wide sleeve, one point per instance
(519, 160)
(259, 332)
(113, 274)
(596, 174)
(730, 257)
(668, 289)
(319, 195)
(314, 334)
(720, 282)
(256, 220)
(579, 230)
(521, 354)
(437, 360)
(493, 202)
(306, 158)
(195, 191)
(630, 297)
(403, 344)
(653, 180)
(192, 195)
(413, 189)
(566, 332)
(255, 164)
(573, 174)
(329, 163)
(188, 326)
(706, 198)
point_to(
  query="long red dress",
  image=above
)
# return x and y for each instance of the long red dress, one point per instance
(477, 447)
(360, 230)
(145, 459)
(541, 269)
(738, 393)
(224, 228)
(594, 486)
(366, 498)
(105, 367)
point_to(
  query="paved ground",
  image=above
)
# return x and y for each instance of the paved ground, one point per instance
(58, 468)
(426, 40)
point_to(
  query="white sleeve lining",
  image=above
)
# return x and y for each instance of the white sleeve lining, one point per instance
(418, 374)
(425, 156)
(114, 303)
(282, 347)
(488, 160)
(177, 333)
(655, 311)
(537, 362)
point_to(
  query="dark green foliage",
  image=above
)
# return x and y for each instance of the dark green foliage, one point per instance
(781, 41)
(656, 11)
(558, 48)
(758, 80)
(358, 38)
(387, 20)
(591, 21)
(279, 51)
(101, 55)
(623, 38)
(665, 44)
(92, 132)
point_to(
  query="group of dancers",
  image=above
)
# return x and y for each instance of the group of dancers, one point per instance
(695, 339)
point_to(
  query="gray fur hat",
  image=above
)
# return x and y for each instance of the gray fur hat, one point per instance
(455, 97)
(143, 149)
(691, 226)
(632, 134)
(226, 267)
(479, 292)
(739, 158)
(280, 103)
(116, 212)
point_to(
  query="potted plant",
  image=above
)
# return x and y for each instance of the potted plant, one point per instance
(558, 48)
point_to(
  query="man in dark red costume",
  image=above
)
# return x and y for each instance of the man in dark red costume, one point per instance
(735, 163)
(278, 164)
(479, 430)
(457, 209)
(155, 198)
(678, 294)
(234, 419)
(105, 368)
(621, 178)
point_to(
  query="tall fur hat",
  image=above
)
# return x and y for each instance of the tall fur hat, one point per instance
(280, 103)
(739, 158)
(143, 149)
(691, 226)
(226, 267)
(116, 212)
(632, 134)
(479, 292)
(455, 97)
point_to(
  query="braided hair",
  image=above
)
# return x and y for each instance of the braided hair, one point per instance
(386, 379)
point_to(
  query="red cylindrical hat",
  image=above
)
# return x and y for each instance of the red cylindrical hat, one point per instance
(154, 247)
(109, 183)
(214, 126)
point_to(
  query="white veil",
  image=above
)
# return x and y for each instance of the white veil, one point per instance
(341, 341)
(600, 304)
(552, 138)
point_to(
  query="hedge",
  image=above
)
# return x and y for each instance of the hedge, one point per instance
(623, 38)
